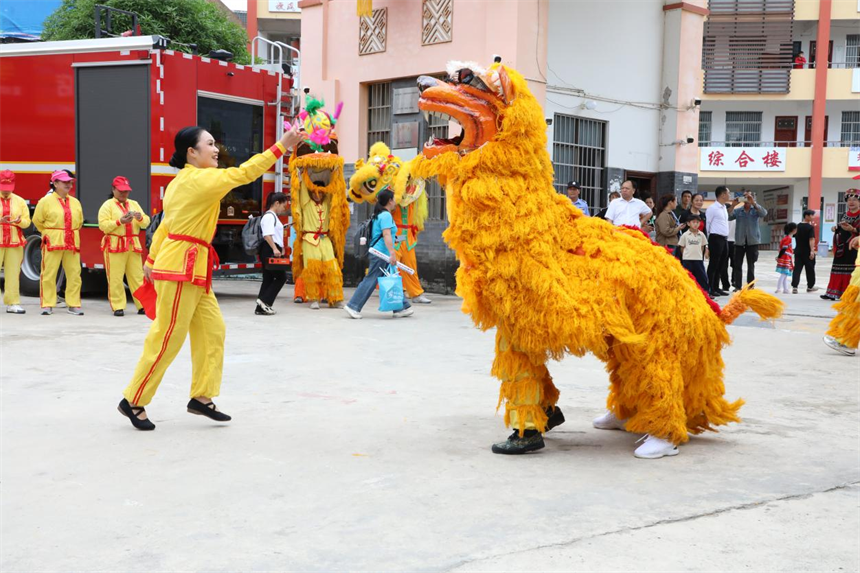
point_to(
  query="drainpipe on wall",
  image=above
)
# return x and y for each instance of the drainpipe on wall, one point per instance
(819, 110)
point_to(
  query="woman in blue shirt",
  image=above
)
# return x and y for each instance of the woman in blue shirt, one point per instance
(382, 239)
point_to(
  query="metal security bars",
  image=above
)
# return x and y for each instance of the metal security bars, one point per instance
(437, 211)
(850, 128)
(742, 128)
(852, 51)
(579, 154)
(705, 118)
(379, 113)
(748, 46)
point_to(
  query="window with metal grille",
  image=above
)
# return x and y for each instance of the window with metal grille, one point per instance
(436, 127)
(579, 154)
(743, 128)
(379, 113)
(841, 206)
(705, 128)
(852, 51)
(748, 47)
(850, 128)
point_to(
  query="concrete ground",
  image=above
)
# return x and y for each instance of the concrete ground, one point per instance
(365, 446)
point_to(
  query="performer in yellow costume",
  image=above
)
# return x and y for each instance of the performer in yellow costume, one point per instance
(121, 220)
(14, 218)
(382, 171)
(552, 281)
(319, 207)
(180, 264)
(59, 217)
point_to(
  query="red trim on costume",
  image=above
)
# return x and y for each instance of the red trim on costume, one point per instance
(7, 232)
(69, 233)
(276, 150)
(164, 343)
(214, 261)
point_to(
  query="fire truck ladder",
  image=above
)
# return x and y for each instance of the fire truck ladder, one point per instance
(275, 62)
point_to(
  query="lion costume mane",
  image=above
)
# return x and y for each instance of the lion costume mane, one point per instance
(554, 282)
(315, 166)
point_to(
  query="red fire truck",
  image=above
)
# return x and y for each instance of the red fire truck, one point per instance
(112, 106)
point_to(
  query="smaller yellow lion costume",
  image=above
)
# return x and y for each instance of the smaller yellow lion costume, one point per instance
(382, 170)
(319, 207)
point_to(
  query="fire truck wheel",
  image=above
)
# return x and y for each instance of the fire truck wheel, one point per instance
(31, 266)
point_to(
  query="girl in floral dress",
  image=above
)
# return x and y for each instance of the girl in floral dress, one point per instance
(785, 259)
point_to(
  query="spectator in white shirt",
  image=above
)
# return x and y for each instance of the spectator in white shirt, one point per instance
(717, 228)
(627, 210)
(272, 246)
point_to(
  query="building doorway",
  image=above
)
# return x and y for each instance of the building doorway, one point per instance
(785, 131)
(646, 183)
(807, 133)
(813, 50)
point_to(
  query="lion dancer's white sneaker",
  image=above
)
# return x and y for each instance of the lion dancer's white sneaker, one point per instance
(655, 448)
(608, 421)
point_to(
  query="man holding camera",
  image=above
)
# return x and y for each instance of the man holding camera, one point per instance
(121, 220)
(748, 215)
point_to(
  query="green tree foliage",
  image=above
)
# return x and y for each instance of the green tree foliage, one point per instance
(186, 21)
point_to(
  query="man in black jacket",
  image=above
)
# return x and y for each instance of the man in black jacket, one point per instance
(804, 253)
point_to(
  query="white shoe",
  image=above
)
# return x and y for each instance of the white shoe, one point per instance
(15, 309)
(47, 310)
(352, 313)
(315, 305)
(421, 299)
(76, 310)
(838, 346)
(404, 313)
(655, 448)
(608, 421)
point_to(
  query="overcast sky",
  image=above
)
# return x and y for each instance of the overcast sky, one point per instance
(236, 4)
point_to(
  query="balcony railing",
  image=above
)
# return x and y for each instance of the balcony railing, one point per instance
(776, 144)
(832, 65)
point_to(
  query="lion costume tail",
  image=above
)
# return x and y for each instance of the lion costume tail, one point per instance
(767, 306)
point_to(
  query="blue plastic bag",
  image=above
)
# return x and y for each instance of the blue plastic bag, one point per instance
(390, 291)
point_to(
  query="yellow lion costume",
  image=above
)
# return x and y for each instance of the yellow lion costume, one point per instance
(383, 170)
(319, 208)
(553, 281)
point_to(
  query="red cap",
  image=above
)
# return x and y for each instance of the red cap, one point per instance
(61, 175)
(7, 180)
(120, 183)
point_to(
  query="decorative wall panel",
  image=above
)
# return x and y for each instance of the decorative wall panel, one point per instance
(437, 21)
(373, 32)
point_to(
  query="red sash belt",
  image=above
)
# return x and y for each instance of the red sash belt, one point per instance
(68, 236)
(214, 261)
(316, 234)
(412, 228)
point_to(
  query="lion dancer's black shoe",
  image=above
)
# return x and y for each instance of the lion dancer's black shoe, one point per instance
(554, 418)
(531, 440)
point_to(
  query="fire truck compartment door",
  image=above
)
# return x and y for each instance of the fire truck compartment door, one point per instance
(113, 133)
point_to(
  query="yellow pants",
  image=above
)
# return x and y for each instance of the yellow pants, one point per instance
(181, 309)
(410, 282)
(845, 326)
(10, 262)
(117, 266)
(527, 390)
(51, 261)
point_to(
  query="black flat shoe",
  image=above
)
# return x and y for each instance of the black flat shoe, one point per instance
(119, 312)
(199, 408)
(554, 418)
(131, 412)
(514, 445)
(141, 311)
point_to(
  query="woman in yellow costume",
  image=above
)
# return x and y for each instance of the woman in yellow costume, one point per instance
(554, 282)
(14, 218)
(180, 264)
(121, 219)
(319, 207)
(382, 171)
(59, 217)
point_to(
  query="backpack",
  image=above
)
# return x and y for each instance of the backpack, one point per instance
(252, 234)
(365, 232)
(153, 225)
